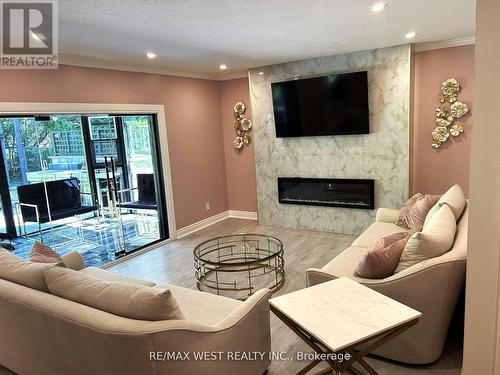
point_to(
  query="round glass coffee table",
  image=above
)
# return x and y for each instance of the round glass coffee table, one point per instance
(237, 265)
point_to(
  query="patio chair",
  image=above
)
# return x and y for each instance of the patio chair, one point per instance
(50, 201)
(146, 194)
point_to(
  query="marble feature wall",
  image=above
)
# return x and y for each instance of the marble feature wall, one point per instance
(382, 155)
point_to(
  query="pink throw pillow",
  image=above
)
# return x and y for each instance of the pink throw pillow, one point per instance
(382, 257)
(415, 210)
(41, 253)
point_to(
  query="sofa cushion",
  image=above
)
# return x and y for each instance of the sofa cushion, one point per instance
(111, 276)
(73, 260)
(454, 198)
(346, 262)
(20, 271)
(42, 253)
(382, 257)
(200, 307)
(123, 299)
(374, 232)
(434, 240)
(415, 210)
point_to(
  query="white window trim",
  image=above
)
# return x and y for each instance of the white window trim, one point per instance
(27, 108)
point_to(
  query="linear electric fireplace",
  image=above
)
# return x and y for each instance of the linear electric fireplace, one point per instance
(333, 192)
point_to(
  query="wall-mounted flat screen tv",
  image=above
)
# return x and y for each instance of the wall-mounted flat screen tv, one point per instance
(329, 105)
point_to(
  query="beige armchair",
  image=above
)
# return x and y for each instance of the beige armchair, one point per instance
(431, 287)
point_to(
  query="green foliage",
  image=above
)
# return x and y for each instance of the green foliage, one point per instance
(35, 133)
(35, 137)
(137, 135)
(37, 146)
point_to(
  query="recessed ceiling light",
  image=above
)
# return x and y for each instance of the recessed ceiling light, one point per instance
(260, 73)
(222, 67)
(151, 55)
(378, 7)
(410, 35)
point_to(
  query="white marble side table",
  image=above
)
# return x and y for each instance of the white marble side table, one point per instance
(338, 317)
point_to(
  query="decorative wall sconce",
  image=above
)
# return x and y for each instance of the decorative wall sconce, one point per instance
(447, 112)
(242, 126)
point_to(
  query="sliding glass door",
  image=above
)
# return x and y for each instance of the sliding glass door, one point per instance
(135, 175)
(38, 150)
(115, 159)
(143, 174)
(42, 149)
(139, 145)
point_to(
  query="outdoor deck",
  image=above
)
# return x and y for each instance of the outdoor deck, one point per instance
(97, 243)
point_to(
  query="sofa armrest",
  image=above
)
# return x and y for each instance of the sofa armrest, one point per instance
(256, 300)
(387, 215)
(434, 291)
(74, 260)
(315, 276)
(246, 329)
(431, 287)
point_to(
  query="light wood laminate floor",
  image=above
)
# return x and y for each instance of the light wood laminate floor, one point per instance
(173, 264)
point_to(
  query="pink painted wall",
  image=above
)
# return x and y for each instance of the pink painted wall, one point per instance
(434, 171)
(240, 166)
(192, 109)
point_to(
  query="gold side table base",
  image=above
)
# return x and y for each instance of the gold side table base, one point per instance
(356, 355)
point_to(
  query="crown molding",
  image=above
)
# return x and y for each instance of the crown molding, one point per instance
(227, 77)
(82, 61)
(112, 65)
(428, 46)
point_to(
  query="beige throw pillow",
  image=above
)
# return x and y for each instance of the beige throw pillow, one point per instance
(127, 300)
(20, 271)
(434, 240)
(454, 198)
(415, 210)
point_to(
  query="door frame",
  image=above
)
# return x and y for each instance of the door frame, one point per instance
(5, 200)
(158, 110)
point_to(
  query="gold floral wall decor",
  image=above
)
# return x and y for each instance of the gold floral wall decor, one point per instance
(448, 111)
(242, 126)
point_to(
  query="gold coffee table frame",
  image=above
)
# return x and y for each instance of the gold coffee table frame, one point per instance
(233, 265)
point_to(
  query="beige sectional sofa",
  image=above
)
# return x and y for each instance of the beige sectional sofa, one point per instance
(42, 333)
(432, 287)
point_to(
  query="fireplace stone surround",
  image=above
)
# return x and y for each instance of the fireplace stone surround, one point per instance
(382, 155)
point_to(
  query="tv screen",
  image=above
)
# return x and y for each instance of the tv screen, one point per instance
(329, 105)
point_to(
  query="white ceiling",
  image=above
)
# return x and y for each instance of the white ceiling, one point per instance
(192, 37)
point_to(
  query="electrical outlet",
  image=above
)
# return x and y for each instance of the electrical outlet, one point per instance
(207, 206)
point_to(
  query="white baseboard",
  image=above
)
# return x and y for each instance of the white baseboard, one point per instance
(249, 215)
(185, 231)
(135, 253)
(201, 224)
